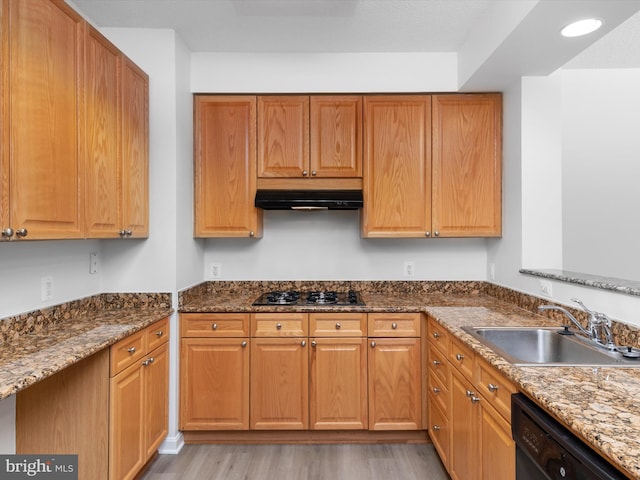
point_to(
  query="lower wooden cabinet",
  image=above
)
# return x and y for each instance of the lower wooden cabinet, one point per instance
(139, 400)
(110, 409)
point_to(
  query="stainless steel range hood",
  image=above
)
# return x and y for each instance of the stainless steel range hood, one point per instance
(309, 199)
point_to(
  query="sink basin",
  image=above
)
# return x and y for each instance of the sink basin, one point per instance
(547, 347)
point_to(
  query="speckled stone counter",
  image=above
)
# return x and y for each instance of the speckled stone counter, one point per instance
(36, 345)
(599, 405)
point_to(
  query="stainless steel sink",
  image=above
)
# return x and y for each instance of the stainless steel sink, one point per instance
(547, 347)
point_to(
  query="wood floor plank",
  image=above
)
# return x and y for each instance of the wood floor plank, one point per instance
(299, 462)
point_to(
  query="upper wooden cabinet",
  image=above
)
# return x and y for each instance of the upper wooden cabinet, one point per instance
(225, 167)
(42, 176)
(397, 166)
(74, 126)
(432, 165)
(467, 165)
(310, 137)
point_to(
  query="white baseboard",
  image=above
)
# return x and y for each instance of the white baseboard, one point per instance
(172, 445)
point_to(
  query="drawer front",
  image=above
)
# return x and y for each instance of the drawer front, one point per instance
(394, 324)
(495, 388)
(127, 351)
(438, 392)
(279, 325)
(338, 324)
(462, 357)
(157, 334)
(439, 432)
(438, 365)
(438, 336)
(214, 325)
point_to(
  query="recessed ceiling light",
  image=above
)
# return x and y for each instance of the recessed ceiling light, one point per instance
(581, 27)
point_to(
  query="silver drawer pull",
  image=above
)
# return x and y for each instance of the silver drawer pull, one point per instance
(459, 357)
(314, 343)
(394, 325)
(437, 362)
(131, 349)
(436, 428)
(475, 399)
(159, 333)
(436, 390)
(492, 388)
(243, 344)
(469, 393)
(373, 344)
(338, 326)
(279, 326)
(436, 335)
(303, 343)
(214, 326)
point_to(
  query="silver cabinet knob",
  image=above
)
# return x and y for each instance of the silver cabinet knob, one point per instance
(125, 233)
(305, 173)
(394, 325)
(436, 233)
(338, 326)
(469, 393)
(146, 363)
(427, 234)
(436, 335)
(131, 350)
(475, 399)
(313, 173)
(459, 357)
(492, 388)
(252, 234)
(214, 326)
(313, 343)
(373, 344)
(7, 232)
(243, 344)
(436, 390)
(436, 363)
(279, 326)
(436, 428)
(159, 333)
(303, 343)
(21, 232)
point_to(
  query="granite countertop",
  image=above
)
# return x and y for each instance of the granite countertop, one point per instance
(31, 356)
(597, 404)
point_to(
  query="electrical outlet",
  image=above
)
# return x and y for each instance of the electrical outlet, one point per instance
(46, 288)
(93, 263)
(492, 271)
(546, 288)
(409, 269)
(216, 270)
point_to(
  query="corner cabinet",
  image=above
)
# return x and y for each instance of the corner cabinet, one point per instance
(225, 167)
(433, 166)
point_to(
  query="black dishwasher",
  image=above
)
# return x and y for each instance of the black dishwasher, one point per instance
(547, 450)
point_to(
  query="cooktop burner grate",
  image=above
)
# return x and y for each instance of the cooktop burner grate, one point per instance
(314, 297)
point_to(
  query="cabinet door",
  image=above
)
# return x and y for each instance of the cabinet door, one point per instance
(214, 384)
(397, 172)
(336, 136)
(126, 413)
(498, 447)
(4, 116)
(279, 384)
(135, 149)
(156, 403)
(45, 169)
(464, 417)
(283, 136)
(101, 137)
(225, 167)
(467, 165)
(338, 384)
(395, 388)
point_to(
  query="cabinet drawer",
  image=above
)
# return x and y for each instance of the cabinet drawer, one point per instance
(495, 388)
(462, 357)
(157, 334)
(279, 325)
(338, 324)
(127, 351)
(439, 432)
(438, 365)
(394, 324)
(214, 324)
(438, 336)
(438, 392)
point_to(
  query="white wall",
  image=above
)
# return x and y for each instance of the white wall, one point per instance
(601, 171)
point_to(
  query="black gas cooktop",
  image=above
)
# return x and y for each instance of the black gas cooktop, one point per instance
(312, 298)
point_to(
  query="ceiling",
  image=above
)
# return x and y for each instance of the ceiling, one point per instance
(492, 38)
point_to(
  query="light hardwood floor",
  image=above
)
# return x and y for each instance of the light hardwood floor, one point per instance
(299, 462)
